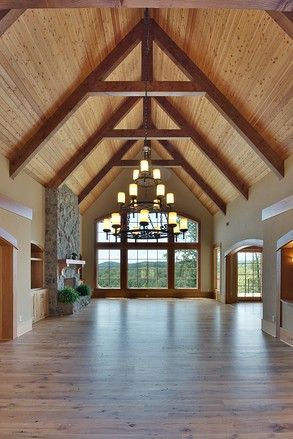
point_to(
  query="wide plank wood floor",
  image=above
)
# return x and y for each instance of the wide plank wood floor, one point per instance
(148, 369)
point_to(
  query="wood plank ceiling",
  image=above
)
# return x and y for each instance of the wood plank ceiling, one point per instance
(45, 54)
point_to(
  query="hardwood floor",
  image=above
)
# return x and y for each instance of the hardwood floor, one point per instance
(148, 369)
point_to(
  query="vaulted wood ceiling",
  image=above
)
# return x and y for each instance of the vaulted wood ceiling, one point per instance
(46, 53)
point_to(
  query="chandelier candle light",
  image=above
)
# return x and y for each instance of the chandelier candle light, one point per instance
(154, 215)
(162, 224)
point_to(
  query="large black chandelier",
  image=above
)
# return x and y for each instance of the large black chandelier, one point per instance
(148, 213)
(140, 205)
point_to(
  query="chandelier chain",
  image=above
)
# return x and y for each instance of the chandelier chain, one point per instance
(145, 73)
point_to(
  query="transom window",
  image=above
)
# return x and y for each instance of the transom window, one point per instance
(147, 264)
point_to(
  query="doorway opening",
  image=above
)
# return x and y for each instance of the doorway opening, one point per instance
(284, 289)
(7, 296)
(249, 274)
(243, 264)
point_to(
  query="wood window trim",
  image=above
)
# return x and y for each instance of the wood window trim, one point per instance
(217, 247)
(170, 246)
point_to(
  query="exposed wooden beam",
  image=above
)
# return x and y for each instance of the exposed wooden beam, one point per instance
(284, 5)
(208, 150)
(156, 162)
(226, 108)
(147, 60)
(26, 153)
(194, 175)
(147, 67)
(8, 17)
(154, 88)
(12, 206)
(104, 171)
(284, 20)
(277, 208)
(153, 133)
(92, 143)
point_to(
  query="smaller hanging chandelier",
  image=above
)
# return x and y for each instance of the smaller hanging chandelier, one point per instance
(151, 216)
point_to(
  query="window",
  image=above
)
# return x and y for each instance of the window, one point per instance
(102, 236)
(147, 269)
(186, 262)
(127, 264)
(249, 266)
(108, 268)
(192, 233)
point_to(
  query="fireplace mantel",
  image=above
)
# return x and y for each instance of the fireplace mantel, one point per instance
(65, 263)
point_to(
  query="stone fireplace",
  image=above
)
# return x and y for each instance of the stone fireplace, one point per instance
(69, 282)
(68, 276)
(61, 241)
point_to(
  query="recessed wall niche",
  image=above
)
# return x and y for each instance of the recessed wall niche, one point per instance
(37, 267)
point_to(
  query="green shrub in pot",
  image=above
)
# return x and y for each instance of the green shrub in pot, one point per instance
(68, 295)
(83, 290)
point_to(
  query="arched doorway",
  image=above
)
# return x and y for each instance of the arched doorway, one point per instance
(243, 271)
(284, 288)
(8, 247)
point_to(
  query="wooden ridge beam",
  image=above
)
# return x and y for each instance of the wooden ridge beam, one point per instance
(147, 71)
(154, 88)
(201, 143)
(284, 20)
(223, 105)
(152, 133)
(8, 17)
(28, 151)
(155, 162)
(227, 4)
(170, 148)
(92, 143)
(104, 171)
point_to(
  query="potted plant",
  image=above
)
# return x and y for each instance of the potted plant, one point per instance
(83, 290)
(68, 295)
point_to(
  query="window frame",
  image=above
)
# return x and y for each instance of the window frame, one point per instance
(170, 246)
(217, 277)
(97, 270)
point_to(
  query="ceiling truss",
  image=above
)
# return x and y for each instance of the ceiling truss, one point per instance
(95, 84)
(281, 5)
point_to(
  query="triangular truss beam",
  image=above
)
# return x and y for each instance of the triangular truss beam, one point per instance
(95, 84)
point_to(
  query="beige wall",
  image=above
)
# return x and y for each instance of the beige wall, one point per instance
(26, 191)
(244, 222)
(185, 202)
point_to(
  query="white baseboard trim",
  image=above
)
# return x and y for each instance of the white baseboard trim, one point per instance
(269, 327)
(286, 336)
(24, 327)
